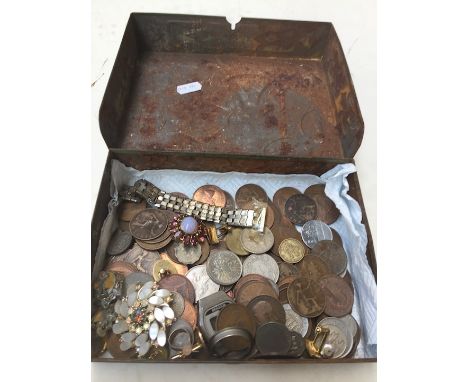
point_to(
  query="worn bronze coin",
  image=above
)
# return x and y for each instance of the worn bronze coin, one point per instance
(178, 304)
(287, 270)
(121, 267)
(155, 246)
(306, 297)
(210, 194)
(129, 209)
(332, 254)
(250, 277)
(205, 252)
(181, 269)
(326, 209)
(336, 237)
(148, 224)
(347, 277)
(267, 309)
(283, 288)
(313, 267)
(252, 289)
(339, 297)
(255, 241)
(249, 193)
(179, 284)
(230, 202)
(190, 314)
(113, 345)
(283, 194)
(297, 347)
(273, 338)
(300, 209)
(291, 250)
(119, 243)
(282, 232)
(233, 242)
(236, 316)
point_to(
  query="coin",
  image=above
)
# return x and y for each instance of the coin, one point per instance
(338, 340)
(124, 226)
(210, 194)
(179, 284)
(252, 289)
(287, 270)
(224, 267)
(113, 345)
(230, 203)
(233, 242)
(119, 243)
(181, 269)
(273, 338)
(255, 241)
(297, 347)
(250, 193)
(145, 262)
(137, 278)
(190, 314)
(350, 323)
(283, 289)
(129, 209)
(339, 297)
(148, 224)
(314, 231)
(236, 316)
(300, 209)
(188, 254)
(294, 322)
(205, 252)
(326, 209)
(262, 265)
(313, 267)
(291, 250)
(332, 254)
(283, 194)
(250, 277)
(282, 232)
(336, 237)
(202, 283)
(267, 309)
(179, 195)
(178, 304)
(154, 247)
(306, 297)
(121, 267)
(163, 266)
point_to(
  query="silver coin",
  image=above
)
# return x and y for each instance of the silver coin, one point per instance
(263, 265)
(146, 260)
(294, 322)
(339, 338)
(314, 231)
(201, 282)
(350, 323)
(188, 254)
(178, 304)
(224, 267)
(119, 243)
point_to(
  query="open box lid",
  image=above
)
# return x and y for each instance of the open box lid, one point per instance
(269, 87)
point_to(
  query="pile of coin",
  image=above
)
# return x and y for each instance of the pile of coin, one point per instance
(274, 293)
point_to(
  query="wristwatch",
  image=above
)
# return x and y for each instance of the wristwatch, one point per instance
(156, 198)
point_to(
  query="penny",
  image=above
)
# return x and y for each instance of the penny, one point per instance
(205, 252)
(291, 250)
(250, 193)
(306, 297)
(113, 345)
(326, 209)
(262, 265)
(233, 242)
(313, 267)
(188, 254)
(159, 239)
(273, 338)
(282, 232)
(190, 314)
(287, 270)
(121, 267)
(267, 309)
(161, 267)
(145, 262)
(300, 209)
(210, 194)
(178, 304)
(347, 277)
(314, 231)
(283, 194)
(236, 316)
(154, 247)
(255, 241)
(230, 202)
(270, 216)
(332, 254)
(294, 322)
(179, 284)
(252, 289)
(148, 224)
(224, 267)
(283, 289)
(119, 243)
(250, 277)
(336, 237)
(181, 269)
(202, 283)
(129, 209)
(338, 340)
(297, 347)
(339, 297)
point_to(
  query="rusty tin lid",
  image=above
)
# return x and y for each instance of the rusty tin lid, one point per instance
(269, 88)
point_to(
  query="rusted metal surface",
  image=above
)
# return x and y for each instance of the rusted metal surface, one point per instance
(279, 88)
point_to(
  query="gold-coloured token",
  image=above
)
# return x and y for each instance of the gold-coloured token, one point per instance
(161, 267)
(291, 250)
(233, 242)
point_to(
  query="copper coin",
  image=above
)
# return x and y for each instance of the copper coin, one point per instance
(179, 195)
(339, 297)
(210, 194)
(205, 252)
(181, 269)
(282, 232)
(287, 270)
(252, 289)
(270, 216)
(179, 284)
(347, 277)
(283, 288)
(282, 195)
(273, 338)
(267, 309)
(170, 250)
(236, 316)
(113, 345)
(313, 267)
(163, 238)
(119, 243)
(128, 210)
(306, 297)
(233, 242)
(156, 246)
(326, 209)
(121, 267)
(300, 209)
(148, 224)
(250, 193)
(190, 314)
(332, 254)
(250, 277)
(336, 237)
(230, 202)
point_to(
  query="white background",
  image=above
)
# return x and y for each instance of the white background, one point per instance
(355, 23)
